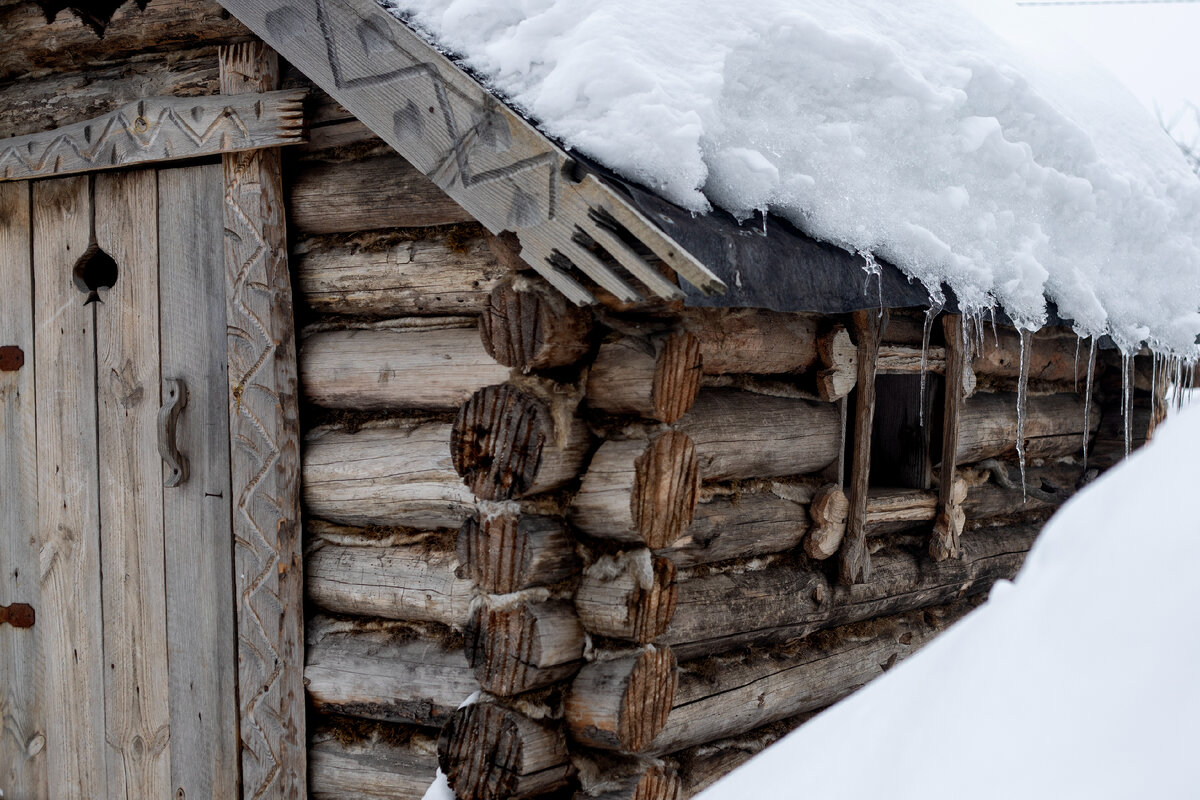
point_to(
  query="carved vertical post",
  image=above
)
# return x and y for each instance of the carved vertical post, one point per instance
(855, 562)
(948, 526)
(265, 458)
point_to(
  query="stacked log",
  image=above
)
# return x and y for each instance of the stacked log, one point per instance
(622, 529)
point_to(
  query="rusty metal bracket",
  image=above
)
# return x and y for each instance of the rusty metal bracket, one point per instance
(19, 615)
(12, 358)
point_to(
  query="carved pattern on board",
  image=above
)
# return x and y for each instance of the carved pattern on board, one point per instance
(264, 433)
(491, 161)
(157, 129)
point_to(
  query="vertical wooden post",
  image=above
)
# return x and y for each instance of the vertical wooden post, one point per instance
(948, 526)
(68, 495)
(23, 731)
(854, 564)
(265, 458)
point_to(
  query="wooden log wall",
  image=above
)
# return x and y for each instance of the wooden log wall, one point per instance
(617, 526)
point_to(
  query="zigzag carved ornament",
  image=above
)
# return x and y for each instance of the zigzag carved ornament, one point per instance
(573, 229)
(157, 129)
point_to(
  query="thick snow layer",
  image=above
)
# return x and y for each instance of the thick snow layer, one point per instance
(909, 129)
(1077, 680)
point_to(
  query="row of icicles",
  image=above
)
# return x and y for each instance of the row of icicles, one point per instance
(1179, 371)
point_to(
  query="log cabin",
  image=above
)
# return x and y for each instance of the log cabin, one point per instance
(447, 412)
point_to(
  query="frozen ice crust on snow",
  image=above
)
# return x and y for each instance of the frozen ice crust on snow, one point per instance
(908, 129)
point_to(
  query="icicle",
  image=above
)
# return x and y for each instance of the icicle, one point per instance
(1154, 362)
(1022, 392)
(930, 314)
(1078, 341)
(1126, 397)
(995, 331)
(1087, 399)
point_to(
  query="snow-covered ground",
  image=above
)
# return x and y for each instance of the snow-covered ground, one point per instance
(1077, 680)
(909, 129)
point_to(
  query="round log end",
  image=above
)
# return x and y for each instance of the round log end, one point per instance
(529, 326)
(622, 704)
(676, 377)
(497, 440)
(666, 489)
(522, 647)
(488, 752)
(631, 596)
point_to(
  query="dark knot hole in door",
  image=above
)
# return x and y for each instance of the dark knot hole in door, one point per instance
(94, 271)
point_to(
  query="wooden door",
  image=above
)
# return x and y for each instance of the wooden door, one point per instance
(125, 685)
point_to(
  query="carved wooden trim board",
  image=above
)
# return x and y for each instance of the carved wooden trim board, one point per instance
(491, 161)
(157, 129)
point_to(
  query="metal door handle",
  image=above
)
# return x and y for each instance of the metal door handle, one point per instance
(175, 397)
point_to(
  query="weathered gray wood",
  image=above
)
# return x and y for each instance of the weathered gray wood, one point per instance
(201, 634)
(943, 543)
(133, 580)
(518, 646)
(527, 324)
(28, 44)
(739, 526)
(631, 595)
(385, 474)
(68, 495)
(488, 751)
(434, 368)
(655, 376)
(373, 193)
(512, 442)
(622, 703)
(379, 766)
(854, 562)
(753, 340)
(507, 551)
(639, 491)
(629, 779)
(353, 574)
(49, 101)
(385, 671)
(394, 273)
(730, 695)
(156, 129)
(264, 430)
(1053, 426)
(22, 720)
(744, 435)
(492, 162)
(720, 611)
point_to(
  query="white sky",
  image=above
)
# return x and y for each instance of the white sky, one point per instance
(1154, 49)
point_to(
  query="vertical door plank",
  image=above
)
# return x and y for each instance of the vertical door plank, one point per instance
(196, 520)
(265, 432)
(137, 729)
(854, 560)
(22, 728)
(68, 620)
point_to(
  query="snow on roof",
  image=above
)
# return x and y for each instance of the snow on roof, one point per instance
(1076, 680)
(906, 129)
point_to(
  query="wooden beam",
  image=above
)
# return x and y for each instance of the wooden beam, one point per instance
(489, 159)
(157, 129)
(23, 751)
(951, 517)
(855, 562)
(264, 428)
